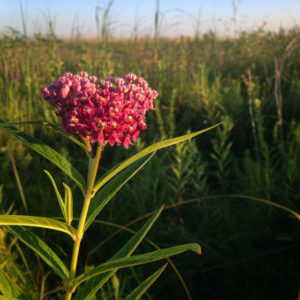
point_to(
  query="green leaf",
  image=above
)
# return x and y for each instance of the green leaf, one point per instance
(68, 204)
(41, 248)
(136, 260)
(18, 220)
(111, 188)
(125, 228)
(163, 144)
(52, 126)
(58, 196)
(7, 287)
(46, 151)
(138, 292)
(95, 283)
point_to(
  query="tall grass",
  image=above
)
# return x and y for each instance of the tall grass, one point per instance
(251, 83)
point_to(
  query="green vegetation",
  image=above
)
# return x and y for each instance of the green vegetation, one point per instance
(213, 185)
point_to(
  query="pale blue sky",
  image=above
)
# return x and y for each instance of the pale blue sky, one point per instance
(179, 16)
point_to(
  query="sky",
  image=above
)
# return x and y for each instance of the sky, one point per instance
(177, 17)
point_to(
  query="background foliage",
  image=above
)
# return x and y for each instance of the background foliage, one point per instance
(251, 83)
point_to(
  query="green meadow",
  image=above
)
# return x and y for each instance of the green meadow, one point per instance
(234, 190)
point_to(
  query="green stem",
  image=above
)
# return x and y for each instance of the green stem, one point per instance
(93, 167)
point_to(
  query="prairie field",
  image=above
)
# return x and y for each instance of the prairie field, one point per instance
(235, 190)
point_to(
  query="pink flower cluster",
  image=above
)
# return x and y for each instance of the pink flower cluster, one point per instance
(113, 111)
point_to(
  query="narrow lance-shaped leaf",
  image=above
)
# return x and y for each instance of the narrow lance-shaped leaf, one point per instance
(68, 203)
(134, 261)
(125, 228)
(95, 283)
(58, 196)
(41, 248)
(46, 151)
(140, 290)
(7, 287)
(111, 188)
(163, 144)
(21, 297)
(57, 129)
(41, 222)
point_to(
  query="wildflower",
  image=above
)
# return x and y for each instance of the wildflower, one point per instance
(113, 112)
(15, 75)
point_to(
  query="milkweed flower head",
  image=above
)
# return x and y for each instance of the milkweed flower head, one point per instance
(113, 111)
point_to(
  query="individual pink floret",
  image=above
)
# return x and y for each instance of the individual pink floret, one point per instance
(114, 111)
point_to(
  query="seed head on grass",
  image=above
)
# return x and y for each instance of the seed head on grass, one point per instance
(113, 111)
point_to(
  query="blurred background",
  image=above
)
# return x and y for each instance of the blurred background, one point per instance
(211, 61)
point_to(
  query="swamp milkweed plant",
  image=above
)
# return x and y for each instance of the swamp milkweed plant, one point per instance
(93, 116)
